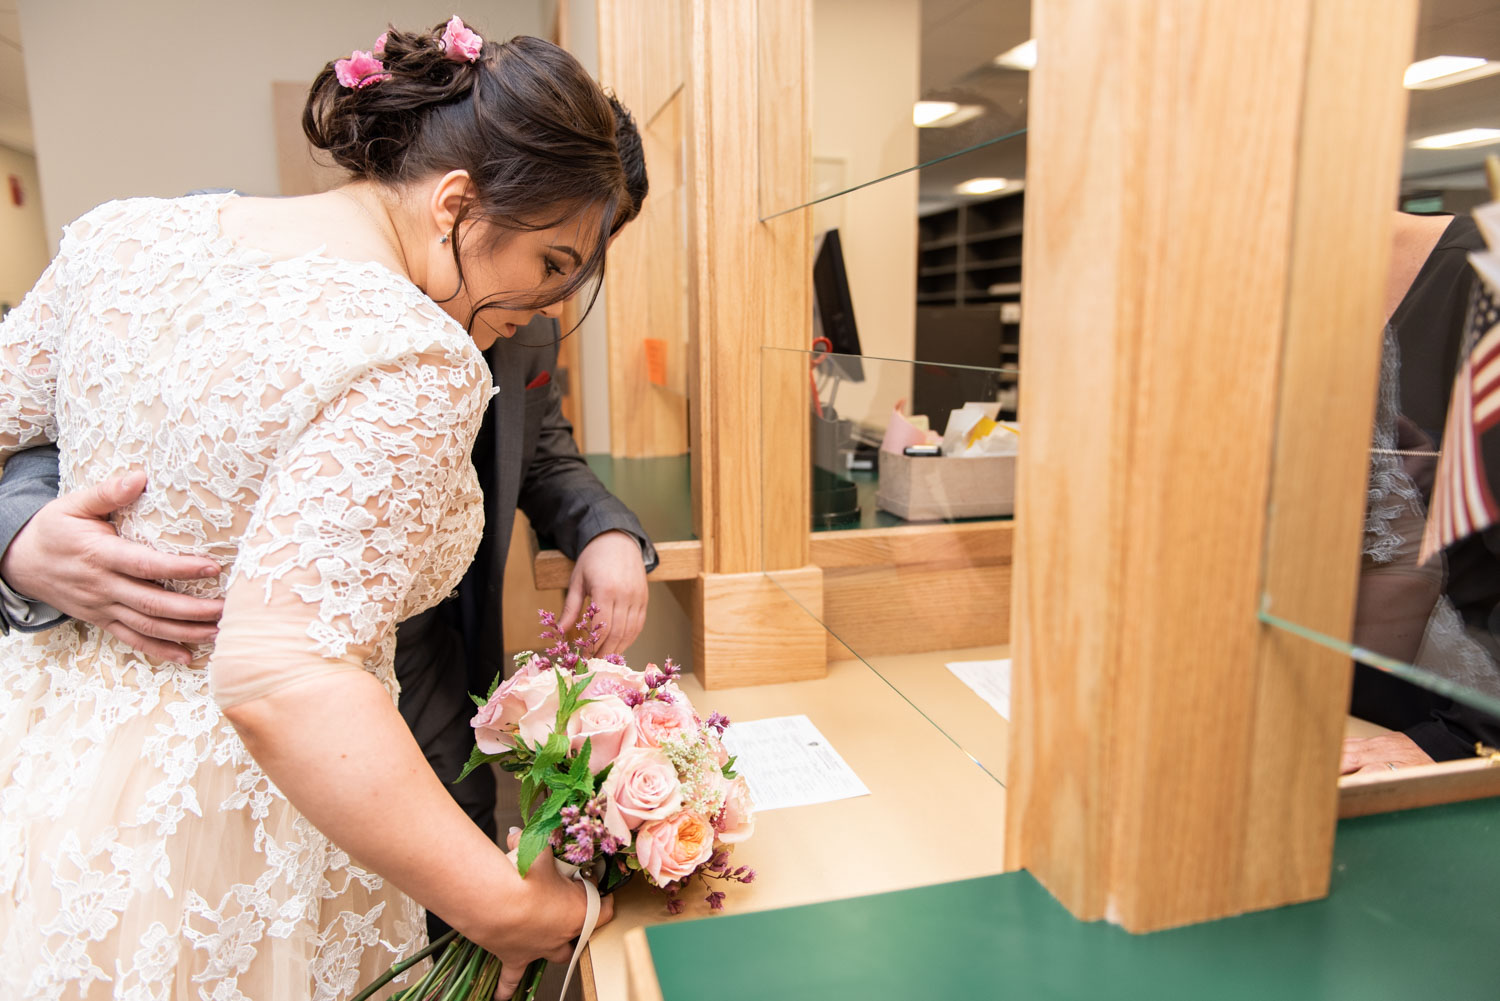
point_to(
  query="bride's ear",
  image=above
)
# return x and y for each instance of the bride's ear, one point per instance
(446, 201)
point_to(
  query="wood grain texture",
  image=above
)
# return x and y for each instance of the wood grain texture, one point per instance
(978, 543)
(1354, 111)
(682, 560)
(1422, 785)
(646, 291)
(880, 610)
(749, 284)
(759, 628)
(1159, 287)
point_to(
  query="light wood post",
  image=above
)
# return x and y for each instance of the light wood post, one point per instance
(1209, 189)
(722, 99)
(757, 603)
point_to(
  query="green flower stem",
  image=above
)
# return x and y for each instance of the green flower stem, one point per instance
(403, 966)
(432, 985)
(531, 982)
(463, 979)
(487, 981)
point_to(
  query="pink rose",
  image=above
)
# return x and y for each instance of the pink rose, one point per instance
(459, 43)
(608, 724)
(612, 679)
(657, 721)
(525, 705)
(641, 787)
(673, 849)
(737, 821)
(360, 70)
(379, 49)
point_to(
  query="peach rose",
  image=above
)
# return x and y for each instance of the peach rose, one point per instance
(657, 721)
(612, 679)
(674, 848)
(525, 704)
(608, 724)
(641, 787)
(737, 822)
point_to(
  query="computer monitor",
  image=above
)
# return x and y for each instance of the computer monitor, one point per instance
(833, 312)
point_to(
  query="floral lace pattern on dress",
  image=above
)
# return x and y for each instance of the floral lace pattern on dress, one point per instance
(306, 423)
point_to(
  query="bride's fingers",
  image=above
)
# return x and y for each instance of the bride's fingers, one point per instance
(508, 981)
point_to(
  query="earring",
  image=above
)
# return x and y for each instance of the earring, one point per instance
(443, 238)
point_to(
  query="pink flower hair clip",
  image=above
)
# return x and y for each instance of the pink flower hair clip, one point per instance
(361, 68)
(459, 43)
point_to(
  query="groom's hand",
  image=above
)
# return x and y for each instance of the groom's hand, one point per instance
(611, 573)
(69, 556)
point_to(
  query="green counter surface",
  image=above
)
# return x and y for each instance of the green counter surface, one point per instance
(660, 492)
(1413, 915)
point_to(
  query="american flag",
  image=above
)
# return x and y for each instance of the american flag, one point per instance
(1464, 496)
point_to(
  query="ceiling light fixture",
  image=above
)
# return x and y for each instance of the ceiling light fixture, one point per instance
(982, 186)
(1458, 140)
(944, 114)
(1022, 57)
(1445, 71)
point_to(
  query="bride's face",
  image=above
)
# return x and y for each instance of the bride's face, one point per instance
(506, 265)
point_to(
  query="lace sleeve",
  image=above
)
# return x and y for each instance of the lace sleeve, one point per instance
(348, 517)
(28, 376)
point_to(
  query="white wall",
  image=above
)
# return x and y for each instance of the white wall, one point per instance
(158, 97)
(23, 237)
(866, 63)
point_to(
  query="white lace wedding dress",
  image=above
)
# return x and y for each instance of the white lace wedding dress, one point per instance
(305, 422)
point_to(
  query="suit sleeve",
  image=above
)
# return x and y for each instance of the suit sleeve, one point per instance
(28, 483)
(563, 498)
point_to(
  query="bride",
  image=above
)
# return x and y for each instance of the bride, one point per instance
(300, 381)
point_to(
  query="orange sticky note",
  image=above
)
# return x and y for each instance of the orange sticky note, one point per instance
(656, 360)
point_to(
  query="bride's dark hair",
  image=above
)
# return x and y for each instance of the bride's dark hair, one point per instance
(536, 134)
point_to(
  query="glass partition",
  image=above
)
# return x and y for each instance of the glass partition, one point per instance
(902, 86)
(1425, 635)
(908, 500)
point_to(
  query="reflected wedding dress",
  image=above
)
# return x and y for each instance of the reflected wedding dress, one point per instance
(305, 422)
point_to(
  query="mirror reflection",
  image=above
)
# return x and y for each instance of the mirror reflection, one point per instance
(902, 83)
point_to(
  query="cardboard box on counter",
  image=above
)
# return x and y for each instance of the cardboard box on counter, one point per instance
(926, 488)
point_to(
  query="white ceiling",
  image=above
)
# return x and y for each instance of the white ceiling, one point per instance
(15, 109)
(954, 68)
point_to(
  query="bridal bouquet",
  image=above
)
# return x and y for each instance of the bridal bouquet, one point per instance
(619, 775)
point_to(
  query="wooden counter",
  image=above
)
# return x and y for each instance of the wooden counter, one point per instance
(925, 791)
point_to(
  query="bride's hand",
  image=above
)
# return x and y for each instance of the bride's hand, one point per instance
(542, 922)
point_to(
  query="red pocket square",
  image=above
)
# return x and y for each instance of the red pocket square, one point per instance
(540, 381)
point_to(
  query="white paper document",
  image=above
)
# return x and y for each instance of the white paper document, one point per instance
(990, 680)
(787, 762)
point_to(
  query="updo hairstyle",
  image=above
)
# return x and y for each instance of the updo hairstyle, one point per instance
(534, 131)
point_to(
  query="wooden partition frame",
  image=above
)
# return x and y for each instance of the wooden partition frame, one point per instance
(1209, 194)
(748, 287)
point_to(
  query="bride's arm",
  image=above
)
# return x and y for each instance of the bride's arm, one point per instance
(337, 748)
(348, 521)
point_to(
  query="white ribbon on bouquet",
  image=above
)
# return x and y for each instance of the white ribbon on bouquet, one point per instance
(590, 916)
(587, 877)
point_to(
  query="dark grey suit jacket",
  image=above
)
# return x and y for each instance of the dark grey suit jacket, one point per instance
(525, 457)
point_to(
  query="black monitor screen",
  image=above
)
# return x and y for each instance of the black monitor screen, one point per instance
(834, 310)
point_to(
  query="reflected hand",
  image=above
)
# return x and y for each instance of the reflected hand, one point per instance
(611, 573)
(69, 556)
(1387, 752)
